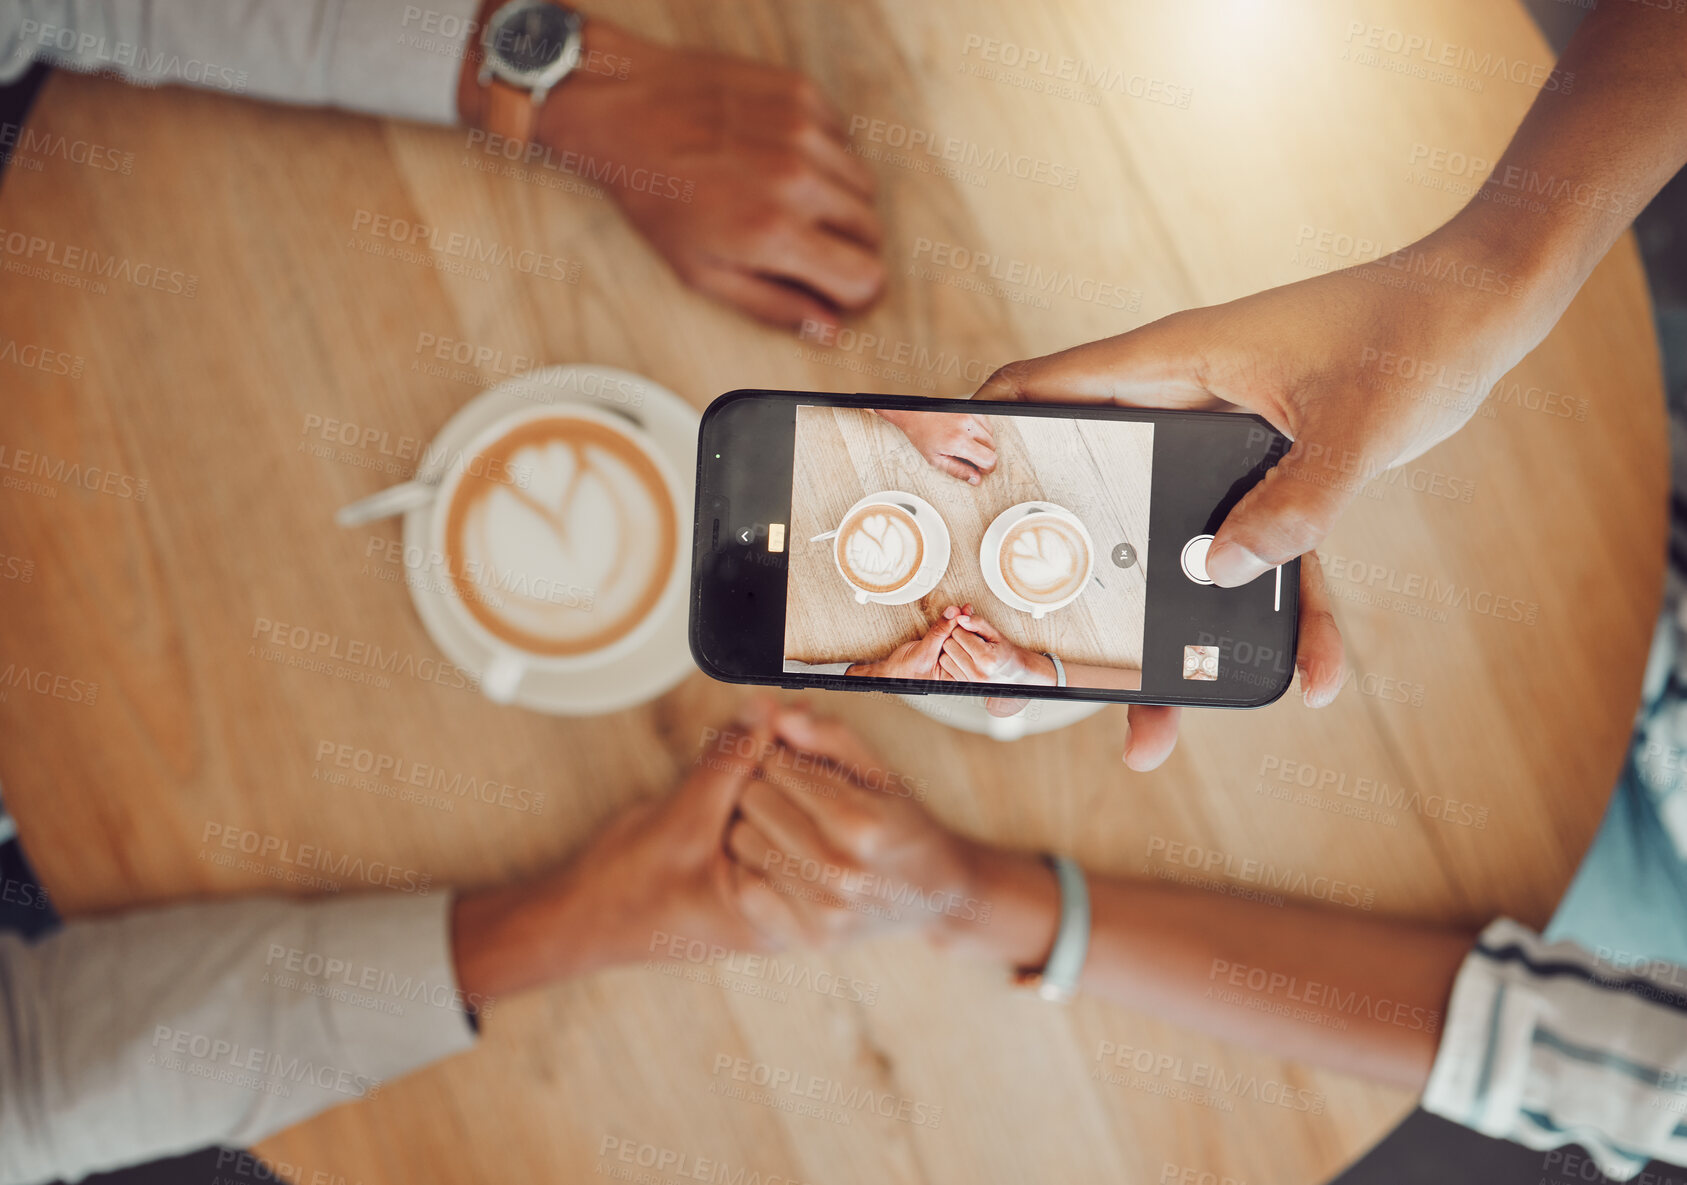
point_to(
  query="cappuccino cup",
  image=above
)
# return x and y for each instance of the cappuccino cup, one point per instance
(883, 549)
(1038, 557)
(560, 542)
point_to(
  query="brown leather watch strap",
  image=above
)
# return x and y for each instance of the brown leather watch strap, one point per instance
(497, 107)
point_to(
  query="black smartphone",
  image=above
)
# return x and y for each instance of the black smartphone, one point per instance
(910, 544)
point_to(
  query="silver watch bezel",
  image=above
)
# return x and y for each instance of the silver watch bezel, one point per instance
(541, 80)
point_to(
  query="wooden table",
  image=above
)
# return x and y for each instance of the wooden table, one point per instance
(1100, 471)
(1292, 136)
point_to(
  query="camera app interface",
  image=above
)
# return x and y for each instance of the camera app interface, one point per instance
(965, 546)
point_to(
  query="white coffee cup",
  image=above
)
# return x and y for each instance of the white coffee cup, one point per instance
(1016, 520)
(889, 535)
(558, 497)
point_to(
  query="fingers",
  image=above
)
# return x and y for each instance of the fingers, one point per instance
(929, 647)
(980, 455)
(1002, 706)
(1318, 656)
(979, 626)
(781, 822)
(831, 155)
(725, 766)
(1158, 365)
(1287, 514)
(842, 271)
(764, 298)
(955, 468)
(1153, 736)
(973, 647)
(826, 738)
(767, 912)
(828, 202)
(957, 664)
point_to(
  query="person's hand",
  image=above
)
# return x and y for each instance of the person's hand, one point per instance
(913, 660)
(838, 847)
(958, 443)
(1363, 369)
(1151, 732)
(976, 652)
(657, 868)
(737, 172)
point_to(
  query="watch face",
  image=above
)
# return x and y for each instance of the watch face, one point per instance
(534, 37)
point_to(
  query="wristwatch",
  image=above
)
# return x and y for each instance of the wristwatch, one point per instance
(1057, 979)
(526, 48)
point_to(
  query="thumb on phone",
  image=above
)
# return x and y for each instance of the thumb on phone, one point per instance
(1287, 514)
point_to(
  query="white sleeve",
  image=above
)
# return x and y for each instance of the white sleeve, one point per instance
(383, 57)
(163, 1031)
(1545, 1045)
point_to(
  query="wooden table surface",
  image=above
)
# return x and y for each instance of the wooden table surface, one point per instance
(1497, 595)
(1098, 470)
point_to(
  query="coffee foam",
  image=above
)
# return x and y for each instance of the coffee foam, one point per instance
(1044, 558)
(880, 548)
(595, 515)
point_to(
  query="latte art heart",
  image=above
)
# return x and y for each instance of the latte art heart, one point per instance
(1044, 559)
(880, 548)
(572, 548)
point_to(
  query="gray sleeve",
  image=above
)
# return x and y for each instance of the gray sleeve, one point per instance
(162, 1031)
(383, 57)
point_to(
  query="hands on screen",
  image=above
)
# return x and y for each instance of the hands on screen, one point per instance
(958, 443)
(737, 172)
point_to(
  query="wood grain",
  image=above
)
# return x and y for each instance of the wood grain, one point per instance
(219, 402)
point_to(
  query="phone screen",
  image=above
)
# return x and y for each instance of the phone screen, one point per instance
(985, 548)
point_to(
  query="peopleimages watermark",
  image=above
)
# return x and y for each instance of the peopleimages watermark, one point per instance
(1175, 1077)
(1263, 874)
(1466, 175)
(1420, 594)
(1425, 56)
(235, 841)
(659, 1165)
(1014, 280)
(37, 257)
(925, 150)
(26, 147)
(814, 1095)
(610, 174)
(365, 662)
(455, 252)
(1373, 799)
(677, 950)
(20, 469)
(1321, 249)
(378, 449)
(52, 684)
(451, 33)
(134, 63)
(31, 356)
(1182, 1174)
(888, 359)
(1281, 992)
(426, 570)
(264, 1071)
(423, 782)
(1061, 75)
(364, 985)
(802, 769)
(441, 356)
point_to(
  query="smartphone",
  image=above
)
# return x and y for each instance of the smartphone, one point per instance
(834, 533)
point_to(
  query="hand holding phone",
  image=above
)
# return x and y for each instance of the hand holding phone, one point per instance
(833, 550)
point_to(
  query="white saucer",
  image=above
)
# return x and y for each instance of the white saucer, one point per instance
(665, 658)
(932, 569)
(967, 712)
(989, 554)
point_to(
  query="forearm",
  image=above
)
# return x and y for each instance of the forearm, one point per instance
(217, 1023)
(1600, 140)
(1363, 995)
